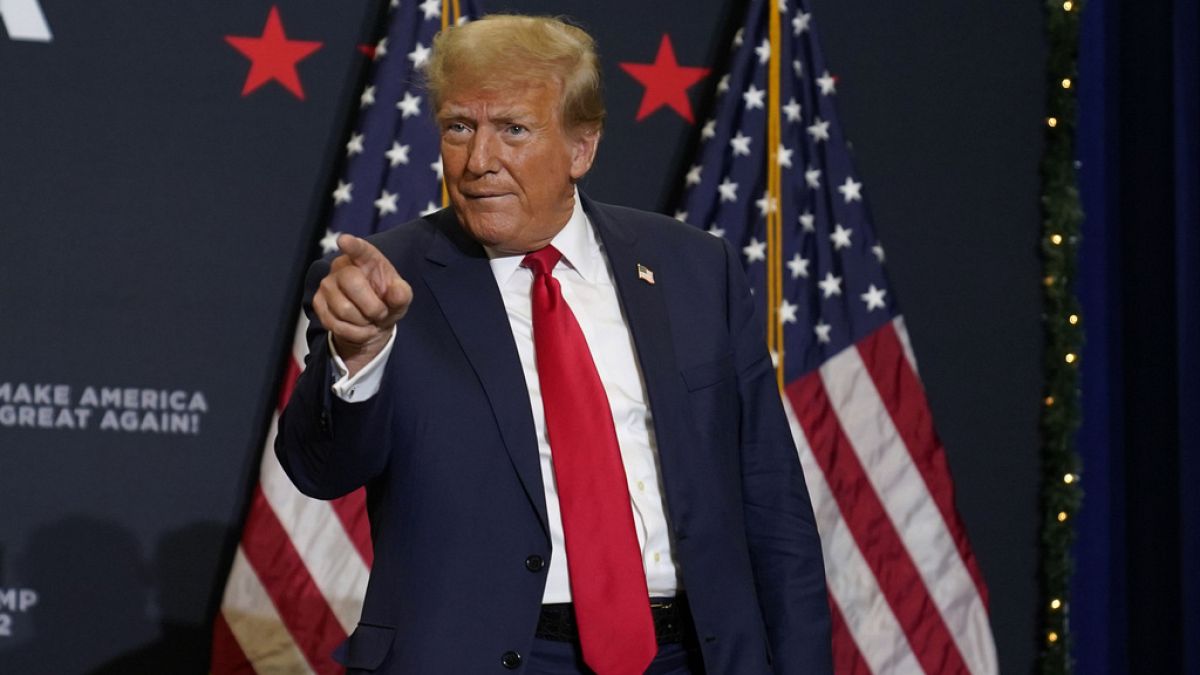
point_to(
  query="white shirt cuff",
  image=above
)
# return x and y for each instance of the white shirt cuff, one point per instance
(365, 382)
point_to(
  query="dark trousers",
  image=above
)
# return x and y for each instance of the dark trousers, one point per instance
(550, 657)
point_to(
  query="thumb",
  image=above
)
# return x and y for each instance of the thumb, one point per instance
(398, 294)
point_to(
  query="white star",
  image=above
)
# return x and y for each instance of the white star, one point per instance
(737, 37)
(830, 285)
(398, 154)
(740, 144)
(874, 298)
(798, 68)
(792, 110)
(329, 241)
(851, 190)
(681, 216)
(419, 55)
(784, 156)
(342, 194)
(827, 84)
(728, 190)
(813, 178)
(822, 330)
(430, 208)
(709, 130)
(355, 145)
(754, 97)
(393, 4)
(800, 23)
(819, 130)
(437, 167)
(432, 9)
(787, 312)
(763, 51)
(766, 204)
(368, 97)
(716, 231)
(877, 249)
(386, 203)
(380, 49)
(808, 221)
(783, 6)
(410, 105)
(723, 84)
(798, 266)
(840, 237)
(755, 250)
(693, 174)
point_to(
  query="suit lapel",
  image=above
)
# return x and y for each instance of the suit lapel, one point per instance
(461, 280)
(646, 311)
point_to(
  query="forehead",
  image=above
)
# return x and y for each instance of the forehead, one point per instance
(540, 99)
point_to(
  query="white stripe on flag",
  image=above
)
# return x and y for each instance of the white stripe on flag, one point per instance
(905, 344)
(256, 625)
(867, 424)
(867, 615)
(320, 538)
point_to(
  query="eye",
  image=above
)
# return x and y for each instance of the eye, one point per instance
(517, 130)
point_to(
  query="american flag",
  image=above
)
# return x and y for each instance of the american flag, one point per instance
(299, 575)
(905, 589)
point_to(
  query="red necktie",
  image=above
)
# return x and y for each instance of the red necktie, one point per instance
(608, 583)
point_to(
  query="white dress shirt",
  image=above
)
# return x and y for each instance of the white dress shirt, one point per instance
(587, 286)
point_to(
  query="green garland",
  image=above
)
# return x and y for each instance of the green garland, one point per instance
(1060, 490)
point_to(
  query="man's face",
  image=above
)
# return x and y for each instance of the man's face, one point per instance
(509, 165)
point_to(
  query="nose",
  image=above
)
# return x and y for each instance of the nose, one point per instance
(481, 152)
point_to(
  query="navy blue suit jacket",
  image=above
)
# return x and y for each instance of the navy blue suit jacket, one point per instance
(449, 456)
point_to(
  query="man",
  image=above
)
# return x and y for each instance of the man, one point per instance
(574, 449)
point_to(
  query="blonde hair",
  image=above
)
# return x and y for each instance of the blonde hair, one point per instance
(502, 50)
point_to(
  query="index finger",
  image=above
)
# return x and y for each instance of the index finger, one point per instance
(358, 250)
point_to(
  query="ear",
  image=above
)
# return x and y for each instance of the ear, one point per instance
(584, 144)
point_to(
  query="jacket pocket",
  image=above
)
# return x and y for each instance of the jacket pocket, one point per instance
(367, 647)
(706, 374)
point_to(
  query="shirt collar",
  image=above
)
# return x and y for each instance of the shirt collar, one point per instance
(577, 241)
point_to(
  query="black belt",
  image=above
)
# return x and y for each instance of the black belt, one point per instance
(670, 615)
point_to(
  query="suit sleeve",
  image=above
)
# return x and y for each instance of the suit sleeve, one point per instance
(785, 548)
(328, 446)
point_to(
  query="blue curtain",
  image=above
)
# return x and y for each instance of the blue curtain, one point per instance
(1136, 596)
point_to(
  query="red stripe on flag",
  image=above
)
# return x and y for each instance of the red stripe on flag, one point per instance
(300, 604)
(227, 655)
(352, 511)
(289, 382)
(873, 531)
(904, 397)
(847, 659)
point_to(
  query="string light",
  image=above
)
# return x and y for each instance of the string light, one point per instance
(1069, 358)
(1073, 319)
(1052, 637)
(1049, 401)
(1049, 280)
(1069, 478)
(1055, 603)
(1066, 83)
(1057, 239)
(1068, 6)
(1062, 516)
(1053, 122)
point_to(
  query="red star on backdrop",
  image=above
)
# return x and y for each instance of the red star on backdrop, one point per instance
(273, 56)
(666, 82)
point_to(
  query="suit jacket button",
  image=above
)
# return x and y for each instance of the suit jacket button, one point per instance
(535, 563)
(324, 421)
(510, 660)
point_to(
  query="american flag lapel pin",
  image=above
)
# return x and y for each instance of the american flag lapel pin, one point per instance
(645, 274)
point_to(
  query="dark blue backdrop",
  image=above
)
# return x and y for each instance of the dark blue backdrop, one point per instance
(1136, 598)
